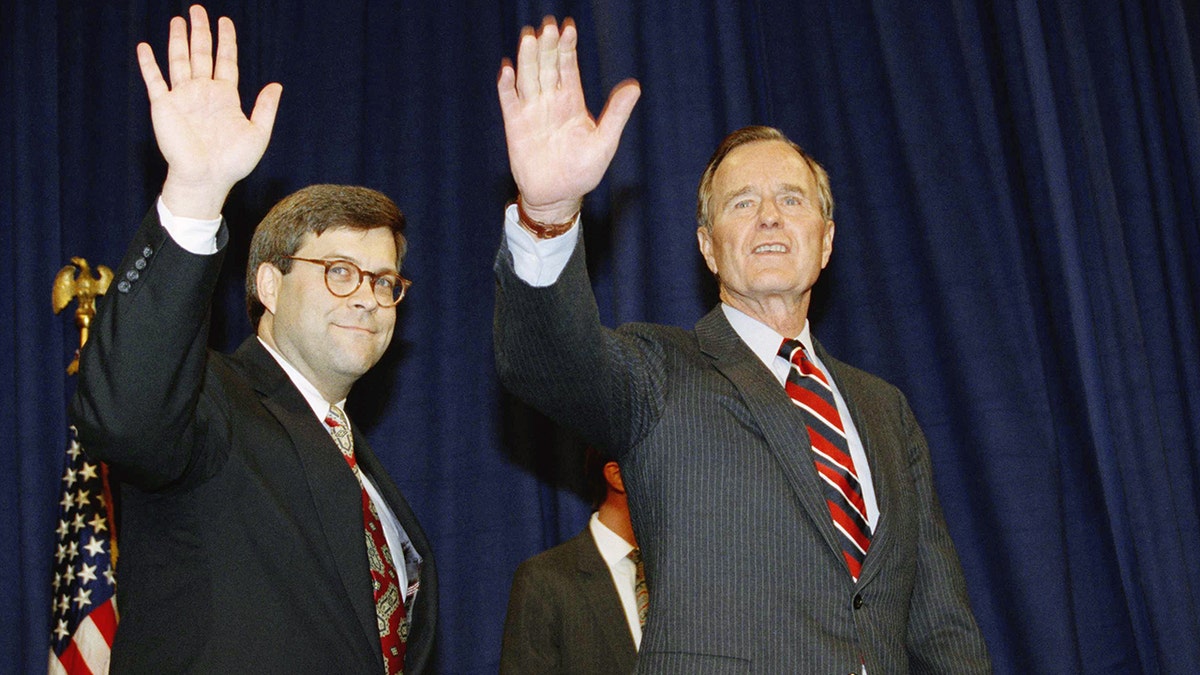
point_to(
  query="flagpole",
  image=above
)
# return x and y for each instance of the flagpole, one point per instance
(84, 613)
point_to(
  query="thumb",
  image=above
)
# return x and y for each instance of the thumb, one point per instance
(265, 107)
(617, 110)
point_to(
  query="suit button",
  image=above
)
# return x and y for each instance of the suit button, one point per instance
(140, 263)
(132, 275)
(858, 601)
(147, 252)
(123, 286)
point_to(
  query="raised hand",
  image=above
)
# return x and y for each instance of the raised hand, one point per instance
(557, 152)
(207, 140)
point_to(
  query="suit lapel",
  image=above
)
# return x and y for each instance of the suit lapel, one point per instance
(599, 591)
(883, 474)
(421, 619)
(781, 425)
(335, 492)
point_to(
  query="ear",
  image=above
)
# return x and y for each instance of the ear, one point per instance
(612, 476)
(827, 244)
(704, 238)
(267, 279)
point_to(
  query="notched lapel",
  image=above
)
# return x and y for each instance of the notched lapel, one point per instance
(885, 479)
(781, 425)
(600, 593)
(329, 479)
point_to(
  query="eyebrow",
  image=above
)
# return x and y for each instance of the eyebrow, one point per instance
(785, 188)
(349, 258)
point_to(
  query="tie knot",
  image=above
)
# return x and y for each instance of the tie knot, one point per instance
(636, 556)
(335, 417)
(792, 350)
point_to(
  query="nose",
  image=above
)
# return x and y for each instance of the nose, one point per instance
(363, 297)
(768, 214)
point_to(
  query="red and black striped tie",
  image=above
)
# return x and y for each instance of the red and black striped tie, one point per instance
(811, 392)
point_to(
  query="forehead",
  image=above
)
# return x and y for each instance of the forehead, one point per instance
(370, 249)
(762, 164)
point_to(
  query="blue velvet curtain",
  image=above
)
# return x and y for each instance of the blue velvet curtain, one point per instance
(1018, 187)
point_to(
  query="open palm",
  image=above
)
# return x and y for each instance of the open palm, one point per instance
(207, 140)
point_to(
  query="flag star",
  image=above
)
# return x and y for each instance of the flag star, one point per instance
(78, 523)
(95, 547)
(74, 450)
(57, 580)
(62, 529)
(98, 523)
(73, 550)
(69, 477)
(83, 498)
(87, 573)
(82, 598)
(69, 576)
(88, 471)
(61, 631)
(101, 500)
(109, 576)
(63, 604)
(68, 501)
(60, 553)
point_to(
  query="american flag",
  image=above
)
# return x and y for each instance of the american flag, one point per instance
(84, 616)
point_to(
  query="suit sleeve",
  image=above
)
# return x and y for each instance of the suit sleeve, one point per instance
(943, 636)
(142, 370)
(553, 353)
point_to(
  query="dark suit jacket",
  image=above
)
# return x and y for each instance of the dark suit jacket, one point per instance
(564, 615)
(241, 532)
(745, 571)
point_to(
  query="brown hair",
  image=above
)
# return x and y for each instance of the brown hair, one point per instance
(313, 210)
(754, 134)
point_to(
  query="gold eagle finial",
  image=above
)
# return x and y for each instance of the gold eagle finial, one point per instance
(76, 281)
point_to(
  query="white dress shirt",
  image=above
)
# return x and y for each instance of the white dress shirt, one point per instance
(615, 552)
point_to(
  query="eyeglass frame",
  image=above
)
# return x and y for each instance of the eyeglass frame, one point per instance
(328, 263)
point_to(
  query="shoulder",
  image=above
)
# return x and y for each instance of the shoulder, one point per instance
(562, 559)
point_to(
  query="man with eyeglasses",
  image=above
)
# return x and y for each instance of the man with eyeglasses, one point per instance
(258, 530)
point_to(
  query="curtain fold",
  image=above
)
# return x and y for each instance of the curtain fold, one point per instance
(1018, 225)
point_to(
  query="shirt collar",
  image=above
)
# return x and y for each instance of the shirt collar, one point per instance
(761, 338)
(612, 547)
(319, 405)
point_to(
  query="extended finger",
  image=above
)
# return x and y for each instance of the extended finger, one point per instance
(178, 66)
(547, 55)
(226, 67)
(568, 58)
(506, 83)
(151, 75)
(202, 65)
(527, 64)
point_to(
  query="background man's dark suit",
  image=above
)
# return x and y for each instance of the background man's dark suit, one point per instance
(241, 524)
(744, 568)
(565, 597)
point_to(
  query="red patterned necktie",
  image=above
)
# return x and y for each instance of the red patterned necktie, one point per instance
(640, 591)
(389, 602)
(811, 392)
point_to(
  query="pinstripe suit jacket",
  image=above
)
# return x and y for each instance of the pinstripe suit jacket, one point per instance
(565, 617)
(744, 569)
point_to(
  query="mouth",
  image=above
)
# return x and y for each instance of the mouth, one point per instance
(355, 329)
(770, 248)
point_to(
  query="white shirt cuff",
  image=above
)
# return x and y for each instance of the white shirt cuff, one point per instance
(538, 262)
(192, 235)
